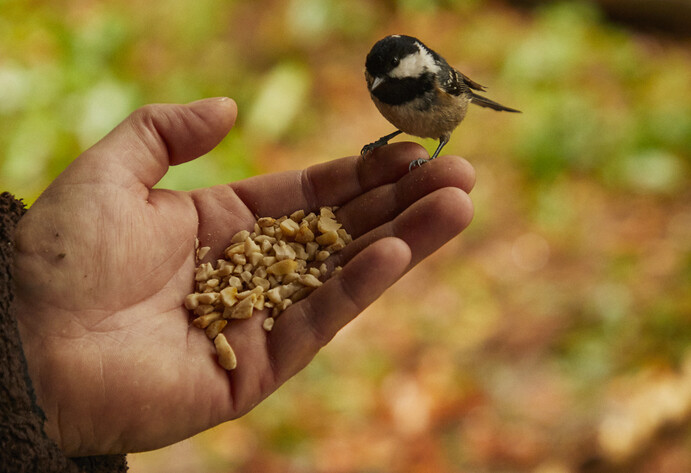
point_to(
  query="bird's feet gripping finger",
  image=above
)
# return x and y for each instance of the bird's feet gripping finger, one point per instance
(384, 140)
(379, 143)
(368, 148)
(417, 163)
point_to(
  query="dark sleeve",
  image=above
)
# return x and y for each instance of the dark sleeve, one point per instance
(24, 447)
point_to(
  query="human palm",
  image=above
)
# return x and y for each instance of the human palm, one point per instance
(103, 262)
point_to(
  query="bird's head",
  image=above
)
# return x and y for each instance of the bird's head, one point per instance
(398, 57)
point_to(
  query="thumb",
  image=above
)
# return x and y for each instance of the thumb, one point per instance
(140, 149)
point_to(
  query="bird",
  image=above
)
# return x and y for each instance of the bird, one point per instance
(416, 90)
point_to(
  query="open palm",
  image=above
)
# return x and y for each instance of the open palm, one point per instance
(104, 261)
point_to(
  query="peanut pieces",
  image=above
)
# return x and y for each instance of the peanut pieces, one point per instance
(226, 355)
(277, 264)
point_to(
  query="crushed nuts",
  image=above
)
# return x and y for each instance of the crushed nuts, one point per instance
(226, 355)
(271, 267)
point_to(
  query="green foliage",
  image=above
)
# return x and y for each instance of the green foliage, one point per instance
(599, 106)
(573, 276)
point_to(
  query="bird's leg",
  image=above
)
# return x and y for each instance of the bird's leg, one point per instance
(380, 142)
(442, 143)
(421, 161)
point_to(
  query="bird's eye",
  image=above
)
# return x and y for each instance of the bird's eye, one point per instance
(395, 62)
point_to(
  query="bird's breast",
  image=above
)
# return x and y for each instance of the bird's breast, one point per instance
(432, 115)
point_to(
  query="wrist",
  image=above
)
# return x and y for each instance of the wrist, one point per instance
(31, 348)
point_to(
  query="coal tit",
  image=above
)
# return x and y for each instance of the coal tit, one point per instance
(416, 90)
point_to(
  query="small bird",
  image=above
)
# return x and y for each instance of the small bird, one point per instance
(416, 90)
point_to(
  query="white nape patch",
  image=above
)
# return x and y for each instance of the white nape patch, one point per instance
(416, 64)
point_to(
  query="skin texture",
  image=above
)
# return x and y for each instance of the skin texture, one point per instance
(103, 263)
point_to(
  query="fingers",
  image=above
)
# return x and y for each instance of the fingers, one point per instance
(140, 149)
(425, 225)
(330, 183)
(384, 203)
(303, 329)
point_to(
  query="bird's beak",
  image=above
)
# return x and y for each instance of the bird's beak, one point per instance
(376, 82)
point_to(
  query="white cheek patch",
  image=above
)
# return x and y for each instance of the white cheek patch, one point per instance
(414, 65)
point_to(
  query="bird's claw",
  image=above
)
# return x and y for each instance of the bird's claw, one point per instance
(417, 163)
(384, 140)
(372, 146)
(368, 149)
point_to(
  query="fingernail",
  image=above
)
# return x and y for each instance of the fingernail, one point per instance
(211, 99)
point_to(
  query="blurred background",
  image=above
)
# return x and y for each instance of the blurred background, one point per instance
(553, 336)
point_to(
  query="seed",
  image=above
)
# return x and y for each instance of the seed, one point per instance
(215, 328)
(300, 252)
(282, 267)
(304, 234)
(203, 309)
(226, 355)
(327, 238)
(203, 272)
(235, 248)
(255, 259)
(338, 245)
(266, 221)
(298, 216)
(203, 321)
(229, 296)
(326, 212)
(202, 252)
(326, 224)
(240, 236)
(263, 268)
(268, 323)
(309, 280)
(290, 277)
(208, 297)
(191, 301)
(284, 251)
(235, 282)
(289, 227)
(239, 258)
(301, 293)
(268, 260)
(261, 282)
(243, 309)
(345, 236)
(280, 307)
(312, 248)
(224, 269)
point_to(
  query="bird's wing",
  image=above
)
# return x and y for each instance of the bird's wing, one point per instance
(456, 83)
(469, 82)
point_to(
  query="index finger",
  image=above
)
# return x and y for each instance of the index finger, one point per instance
(330, 183)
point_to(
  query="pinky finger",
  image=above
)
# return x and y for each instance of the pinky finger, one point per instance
(309, 325)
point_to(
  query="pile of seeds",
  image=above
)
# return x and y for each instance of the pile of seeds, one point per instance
(272, 267)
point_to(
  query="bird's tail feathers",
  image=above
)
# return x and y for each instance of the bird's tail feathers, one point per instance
(485, 102)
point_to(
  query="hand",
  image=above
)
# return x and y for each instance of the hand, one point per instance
(104, 261)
